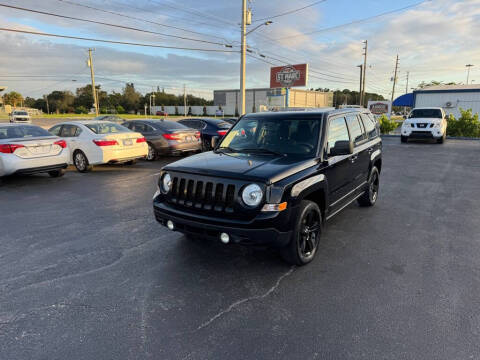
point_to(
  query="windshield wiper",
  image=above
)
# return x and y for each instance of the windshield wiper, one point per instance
(226, 148)
(263, 151)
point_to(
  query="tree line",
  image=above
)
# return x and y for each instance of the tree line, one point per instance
(127, 101)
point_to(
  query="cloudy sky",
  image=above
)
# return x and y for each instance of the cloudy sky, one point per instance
(434, 40)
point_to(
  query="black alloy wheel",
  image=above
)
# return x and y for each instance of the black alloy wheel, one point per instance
(369, 198)
(306, 236)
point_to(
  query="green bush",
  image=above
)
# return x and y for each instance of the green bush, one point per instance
(120, 109)
(81, 110)
(103, 110)
(387, 125)
(466, 125)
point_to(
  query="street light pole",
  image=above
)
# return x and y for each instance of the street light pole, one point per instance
(468, 71)
(243, 57)
(360, 90)
(92, 74)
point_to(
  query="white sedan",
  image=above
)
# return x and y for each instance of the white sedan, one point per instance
(29, 149)
(100, 142)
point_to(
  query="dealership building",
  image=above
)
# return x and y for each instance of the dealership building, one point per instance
(449, 97)
(266, 99)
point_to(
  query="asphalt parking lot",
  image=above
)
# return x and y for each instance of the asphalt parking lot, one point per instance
(87, 273)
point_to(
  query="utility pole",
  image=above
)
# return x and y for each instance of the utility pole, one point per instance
(185, 99)
(406, 88)
(360, 91)
(365, 48)
(243, 56)
(395, 78)
(468, 66)
(92, 73)
(48, 108)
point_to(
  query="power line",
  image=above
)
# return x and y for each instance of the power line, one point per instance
(115, 42)
(139, 19)
(290, 11)
(355, 21)
(108, 24)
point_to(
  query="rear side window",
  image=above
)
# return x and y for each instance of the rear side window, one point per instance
(370, 126)
(106, 128)
(69, 131)
(337, 131)
(356, 129)
(55, 130)
(14, 132)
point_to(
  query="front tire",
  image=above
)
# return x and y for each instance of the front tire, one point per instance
(306, 236)
(81, 162)
(369, 198)
(57, 173)
(403, 139)
(442, 139)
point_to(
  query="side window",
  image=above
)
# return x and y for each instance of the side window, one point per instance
(148, 128)
(139, 127)
(370, 126)
(56, 130)
(68, 131)
(78, 131)
(356, 130)
(337, 131)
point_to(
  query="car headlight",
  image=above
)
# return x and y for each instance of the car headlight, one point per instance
(166, 183)
(252, 195)
(436, 125)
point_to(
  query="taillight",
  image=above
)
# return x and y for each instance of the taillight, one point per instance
(105, 142)
(171, 136)
(61, 143)
(9, 148)
(222, 132)
(140, 140)
(197, 134)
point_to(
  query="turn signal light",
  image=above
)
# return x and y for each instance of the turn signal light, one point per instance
(61, 143)
(140, 140)
(171, 136)
(105, 142)
(9, 148)
(275, 207)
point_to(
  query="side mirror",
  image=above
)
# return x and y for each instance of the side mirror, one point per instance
(342, 147)
(214, 141)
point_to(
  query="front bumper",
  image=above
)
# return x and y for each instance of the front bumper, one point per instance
(434, 133)
(260, 232)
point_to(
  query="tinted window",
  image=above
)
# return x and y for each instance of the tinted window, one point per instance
(370, 126)
(194, 124)
(12, 132)
(55, 130)
(356, 130)
(169, 125)
(68, 131)
(139, 127)
(106, 128)
(337, 131)
(426, 113)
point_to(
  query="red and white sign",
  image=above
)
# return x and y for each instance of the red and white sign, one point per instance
(289, 76)
(380, 107)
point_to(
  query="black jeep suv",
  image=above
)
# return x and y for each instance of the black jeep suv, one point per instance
(274, 179)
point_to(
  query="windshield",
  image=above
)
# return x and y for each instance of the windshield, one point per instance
(426, 113)
(273, 135)
(106, 128)
(20, 113)
(24, 131)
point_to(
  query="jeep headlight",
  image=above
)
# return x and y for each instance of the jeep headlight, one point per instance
(166, 183)
(252, 195)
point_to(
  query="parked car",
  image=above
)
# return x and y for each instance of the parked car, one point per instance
(166, 137)
(161, 113)
(209, 128)
(274, 180)
(29, 149)
(113, 118)
(100, 142)
(20, 116)
(425, 123)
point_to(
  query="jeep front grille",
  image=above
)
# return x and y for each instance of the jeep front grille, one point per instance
(206, 195)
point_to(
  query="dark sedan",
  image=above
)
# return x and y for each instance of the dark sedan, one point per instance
(166, 137)
(208, 128)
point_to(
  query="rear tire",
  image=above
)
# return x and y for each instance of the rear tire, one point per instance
(57, 173)
(152, 153)
(306, 236)
(369, 198)
(403, 139)
(206, 145)
(81, 162)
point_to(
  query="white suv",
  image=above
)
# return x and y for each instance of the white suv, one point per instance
(20, 116)
(425, 123)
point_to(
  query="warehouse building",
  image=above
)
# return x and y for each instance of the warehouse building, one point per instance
(449, 97)
(265, 99)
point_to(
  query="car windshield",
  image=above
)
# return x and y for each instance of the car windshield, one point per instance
(21, 113)
(106, 128)
(273, 136)
(23, 131)
(426, 113)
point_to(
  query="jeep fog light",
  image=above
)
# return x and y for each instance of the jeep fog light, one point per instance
(170, 225)
(275, 207)
(224, 238)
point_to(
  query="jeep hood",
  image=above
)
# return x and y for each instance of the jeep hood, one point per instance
(256, 167)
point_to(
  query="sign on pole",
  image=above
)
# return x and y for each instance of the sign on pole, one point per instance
(289, 76)
(378, 108)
